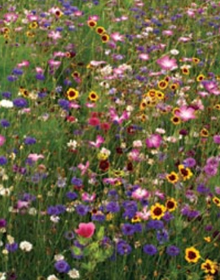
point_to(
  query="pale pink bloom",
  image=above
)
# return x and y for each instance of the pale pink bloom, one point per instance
(74, 105)
(95, 18)
(32, 17)
(160, 194)
(211, 87)
(154, 141)
(24, 63)
(39, 70)
(117, 37)
(191, 12)
(35, 157)
(2, 140)
(167, 63)
(97, 63)
(140, 194)
(99, 141)
(18, 29)
(184, 39)
(78, 13)
(115, 118)
(86, 230)
(144, 214)
(54, 35)
(153, 74)
(10, 17)
(54, 63)
(22, 204)
(87, 197)
(134, 155)
(123, 18)
(90, 105)
(186, 113)
(167, 32)
(59, 54)
(83, 167)
(143, 56)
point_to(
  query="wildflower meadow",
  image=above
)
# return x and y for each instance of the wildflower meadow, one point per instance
(110, 140)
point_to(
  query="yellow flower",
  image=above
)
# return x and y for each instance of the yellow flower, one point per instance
(172, 177)
(207, 239)
(185, 173)
(91, 23)
(195, 60)
(185, 71)
(192, 255)
(171, 204)
(72, 94)
(33, 25)
(102, 156)
(162, 84)
(157, 211)
(216, 200)
(204, 132)
(93, 96)
(100, 30)
(136, 219)
(200, 78)
(209, 266)
(175, 120)
(159, 95)
(105, 38)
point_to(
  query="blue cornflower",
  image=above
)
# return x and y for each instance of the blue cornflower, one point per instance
(12, 78)
(62, 266)
(60, 209)
(20, 102)
(128, 229)
(5, 123)
(98, 217)
(11, 247)
(162, 236)
(155, 224)
(150, 249)
(82, 210)
(123, 248)
(17, 71)
(29, 140)
(40, 77)
(52, 210)
(201, 188)
(3, 160)
(76, 181)
(172, 251)
(71, 195)
(6, 94)
(113, 207)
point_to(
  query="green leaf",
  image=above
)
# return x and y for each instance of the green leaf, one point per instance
(101, 233)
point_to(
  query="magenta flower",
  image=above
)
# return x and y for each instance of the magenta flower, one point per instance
(116, 36)
(2, 140)
(167, 63)
(86, 230)
(35, 157)
(186, 113)
(154, 141)
(216, 139)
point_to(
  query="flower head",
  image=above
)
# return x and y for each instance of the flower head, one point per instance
(86, 230)
(192, 255)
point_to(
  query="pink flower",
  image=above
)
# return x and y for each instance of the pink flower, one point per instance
(2, 140)
(154, 141)
(35, 157)
(116, 36)
(167, 63)
(143, 56)
(83, 167)
(94, 121)
(87, 197)
(99, 141)
(140, 194)
(167, 32)
(186, 113)
(86, 230)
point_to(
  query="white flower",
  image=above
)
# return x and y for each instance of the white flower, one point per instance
(58, 257)
(6, 103)
(137, 144)
(174, 52)
(2, 276)
(32, 211)
(26, 246)
(52, 277)
(73, 274)
(72, 144)
(54, 219)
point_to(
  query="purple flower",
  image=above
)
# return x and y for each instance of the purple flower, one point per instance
(17, 71)
(11, 247)
(5, 123)
(82, 210)
(69, 235)
(62, 266)
(155, 224)
(212, 161)
(6, 94)
(123, 248)
(216, 139)
(40, 77)
(71, 195)
(162, 236)
(3, 223)
(20, 102)
(12, 78)
(172, 251)
(154, 141)
(29, 140)
(76, 181)
(201, 188)
(210, 170)
(150, 249)
(113, 207)
(128, 229)
(189, 162)
(3, 160)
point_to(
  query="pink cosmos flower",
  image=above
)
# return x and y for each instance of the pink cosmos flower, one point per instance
(115, 118)
(99, 141)
(35, 157)
(117, 37)
(83, 167)
(167, 32)
(39, 70)
(154, 141)
(144, 214)
(140, 194)
(97, 63)
(143, 56)
(167, 63)
(186, 113)
(86, 230)
(87, 197)
(95, 18)
(2, 140)
(54, 63)
(10, 17)
(54, 35)
(24, 63)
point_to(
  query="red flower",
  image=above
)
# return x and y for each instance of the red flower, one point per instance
(104, 165)
(86, 230)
